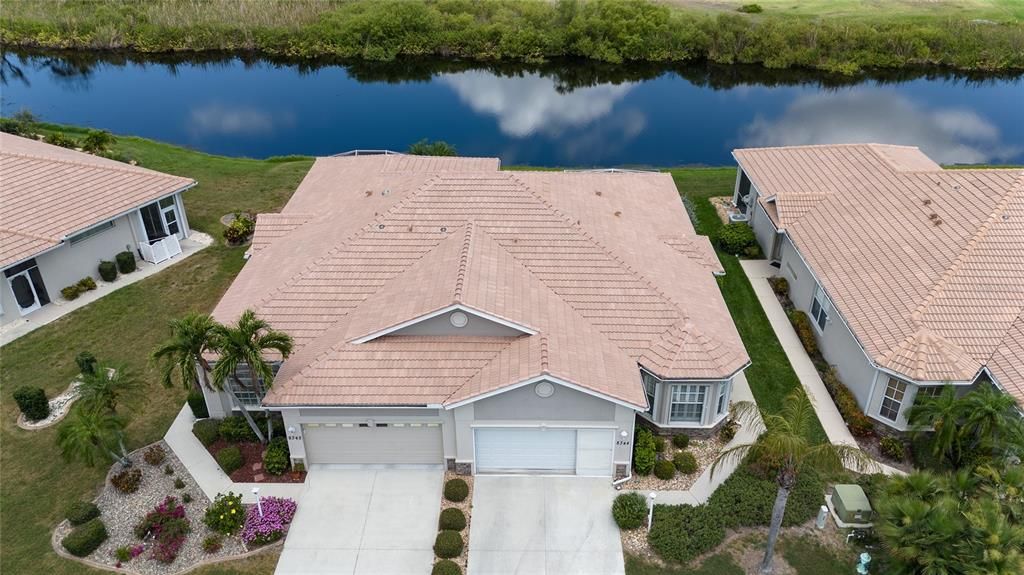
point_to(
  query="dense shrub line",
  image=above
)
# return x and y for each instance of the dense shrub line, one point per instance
(604, 30)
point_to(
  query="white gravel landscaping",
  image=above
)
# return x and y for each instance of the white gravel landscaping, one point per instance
(121, 512)
(59, 407)
(704, 450)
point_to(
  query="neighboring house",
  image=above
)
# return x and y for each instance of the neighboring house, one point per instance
(445, 311)
(912, 275)
(62, 212)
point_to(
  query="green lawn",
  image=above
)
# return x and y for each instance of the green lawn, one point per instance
(809, 557)
(996, 10)
(720, 564)
(770, 375)
(123, 327)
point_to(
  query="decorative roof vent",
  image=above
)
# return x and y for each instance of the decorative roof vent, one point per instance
(459, 319)
(544, 389)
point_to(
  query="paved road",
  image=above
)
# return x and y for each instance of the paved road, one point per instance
(543, 526)
(365, 520)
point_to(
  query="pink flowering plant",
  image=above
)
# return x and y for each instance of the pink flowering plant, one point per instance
(225, 515)
(167, 526)
(269, 527)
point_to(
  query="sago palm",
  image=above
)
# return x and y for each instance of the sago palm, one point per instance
(940, 414)
(92, 432)
(247, 342)
(784, 445)
(105, 386)
(191, 337)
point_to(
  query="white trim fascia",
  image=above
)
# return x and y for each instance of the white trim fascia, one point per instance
(552, 379)
(453, 307)
(342, 406)
(698, 380)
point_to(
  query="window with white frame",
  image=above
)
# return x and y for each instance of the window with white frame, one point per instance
(820, 308)
(650, 388)
(723, 397)
(892, 401)
(929, 392)
(687, 405)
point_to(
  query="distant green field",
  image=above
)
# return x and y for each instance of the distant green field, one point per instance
(995, 10)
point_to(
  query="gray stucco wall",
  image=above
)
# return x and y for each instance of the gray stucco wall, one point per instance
(442, 325)
(565, 404)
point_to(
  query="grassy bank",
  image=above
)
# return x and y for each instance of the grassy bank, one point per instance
(123, 327)
(841, 37)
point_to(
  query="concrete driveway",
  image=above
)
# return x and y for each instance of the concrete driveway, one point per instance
(543, 526)
(366, 520)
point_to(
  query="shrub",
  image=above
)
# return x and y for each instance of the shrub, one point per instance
(229, 459)
(197, 403)
(728, 430)
(735, 238)
(446, 567)
(435, 148)
(213, 544)
(97, 141)
(780, 285)
(892, 448)
(179, 483)
(168, 526)
(750, 9)
(86, 363)
(685, 462)
(629, 510)
(681, 532)
(239, 229)
(644, 455)
(456, 490)
(71, 292)
(452, 519)
(659, 444)
(664, 470)
(207, 431)
(745, 500)
(276, 459)
(123, 554)
(168, 470)
(108, 271)
(448, 544)
(802, 324)
(261, 530)
(86, 284)
(154, 455)
(81, 511)
(85, 538)
(128, 480)
(681, 440)
(859, 424)
(225, 515)
(60, 139)
(186, 497)
(32, 402)
(125, 262)
(235, 428)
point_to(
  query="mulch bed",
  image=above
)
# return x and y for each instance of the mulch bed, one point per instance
(252, 470)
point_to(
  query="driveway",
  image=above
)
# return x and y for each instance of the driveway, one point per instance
(364, 520)
(543, 526)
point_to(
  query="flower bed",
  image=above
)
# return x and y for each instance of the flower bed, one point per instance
(466, 507)
(704, 451)
(252, 470)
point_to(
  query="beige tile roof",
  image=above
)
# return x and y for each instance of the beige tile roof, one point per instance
(926, 265)
(622, 280)
(48, 193)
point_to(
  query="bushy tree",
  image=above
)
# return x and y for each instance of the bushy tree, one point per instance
(435, 148)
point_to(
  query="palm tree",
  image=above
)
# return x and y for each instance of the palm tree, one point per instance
(102, 387)
(90, 433)
(941, 414)
(990, 418)
(245, 344)
(191, 337)
(784, 442)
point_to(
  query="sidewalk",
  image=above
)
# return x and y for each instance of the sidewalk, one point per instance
(758, 271)
(207, 473)
(705, 485)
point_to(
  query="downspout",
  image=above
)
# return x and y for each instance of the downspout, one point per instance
(629, 476)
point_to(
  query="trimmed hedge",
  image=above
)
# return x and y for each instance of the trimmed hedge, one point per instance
(125, 262)
(735, 238)
(85, 538)
(197, 403)
(456, 490)
(108, 271)
(32, 402)
(664, 470)
(81, 511)
(206, 431)
(860, 424)
(277, 457)
(629, 510)
(448, 544)
(682, 532)
(685, 462)
(681, 440)
(446, 567)
(802, 324)
(229, 459)
(644, 451)
(235, 429)
(659, 444)
(452, 519)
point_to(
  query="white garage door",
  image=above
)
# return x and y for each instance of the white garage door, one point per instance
(381, 443)
(536, 450)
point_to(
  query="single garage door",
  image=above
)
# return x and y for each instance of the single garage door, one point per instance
(379, 443)
(544, 450)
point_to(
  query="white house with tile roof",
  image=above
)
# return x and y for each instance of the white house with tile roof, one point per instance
(913, 275)
(445, 311)
(63, 211)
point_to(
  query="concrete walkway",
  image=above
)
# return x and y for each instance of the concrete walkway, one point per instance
(758, 271)
(60, 307)
(207, 473)
(706, 484)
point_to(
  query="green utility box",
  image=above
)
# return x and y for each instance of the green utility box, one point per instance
(851, 504)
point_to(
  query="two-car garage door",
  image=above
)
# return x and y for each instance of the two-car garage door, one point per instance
(544, 450)
(374, 443)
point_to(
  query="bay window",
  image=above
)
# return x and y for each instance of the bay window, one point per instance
(687, 403)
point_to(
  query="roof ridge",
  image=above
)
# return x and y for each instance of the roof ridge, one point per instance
(968, 250)
(460, 276)
(544, 353)
(125, 168)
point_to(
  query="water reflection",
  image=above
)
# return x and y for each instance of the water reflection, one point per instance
(947, 135)
(218, 119)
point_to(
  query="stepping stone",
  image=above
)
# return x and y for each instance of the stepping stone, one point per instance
(256, 466)
(258, 477)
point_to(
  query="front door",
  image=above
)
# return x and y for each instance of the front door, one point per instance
(27, 286)
(169, 213)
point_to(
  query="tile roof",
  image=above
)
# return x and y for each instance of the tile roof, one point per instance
(49, 193)
(363, 247)
(926, 265)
